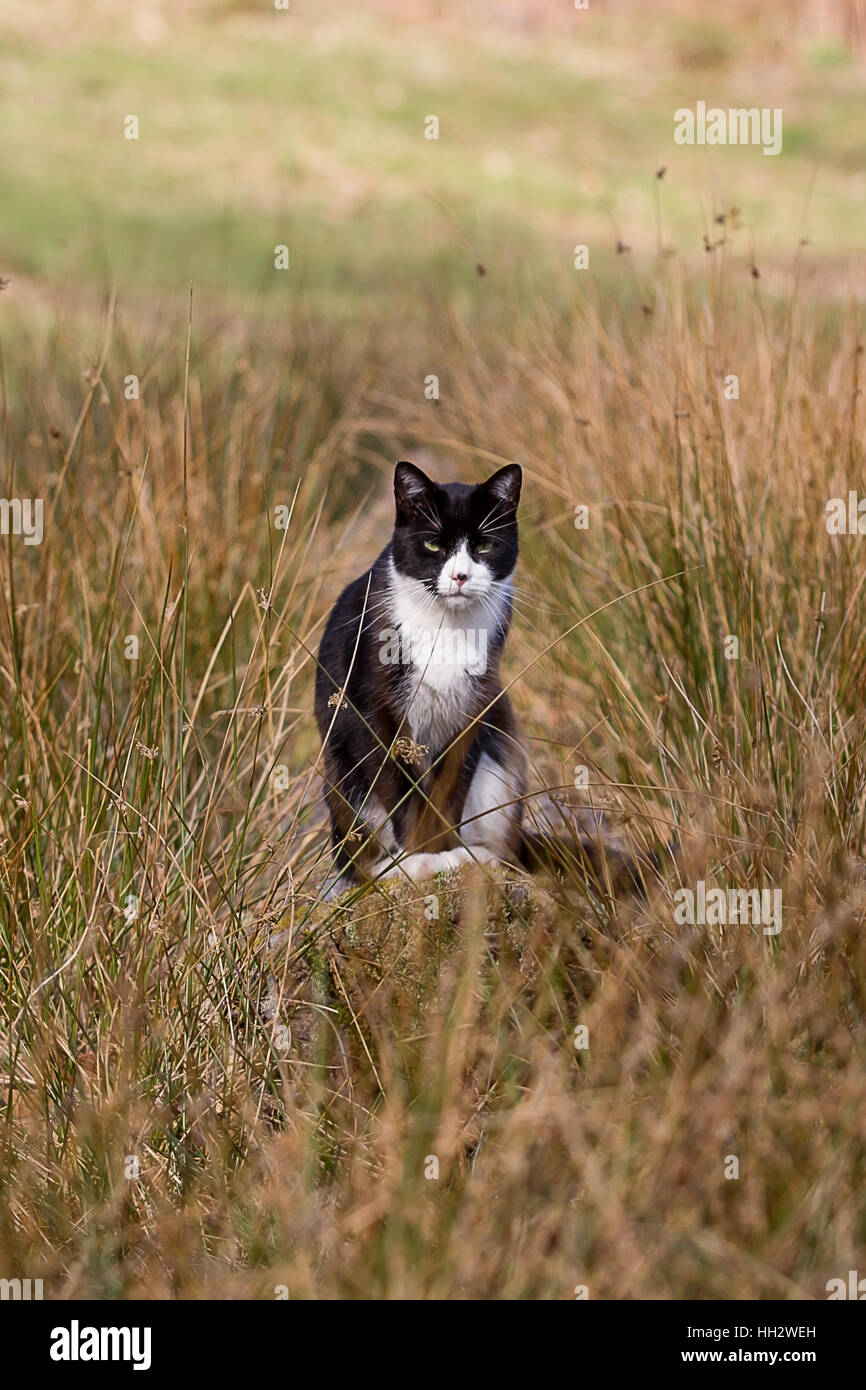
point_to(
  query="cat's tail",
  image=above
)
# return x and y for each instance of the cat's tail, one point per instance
(561, 838)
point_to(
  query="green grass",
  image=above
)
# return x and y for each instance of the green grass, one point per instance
(296, 131)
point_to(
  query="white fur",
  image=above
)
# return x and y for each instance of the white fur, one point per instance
(440, 679)
(420, 866)
(491, 806)
(489, 814)
(478, 578)
(439, 692)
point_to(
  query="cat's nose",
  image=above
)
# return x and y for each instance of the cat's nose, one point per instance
(460, 578)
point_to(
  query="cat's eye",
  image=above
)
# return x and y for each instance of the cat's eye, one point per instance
(432, 545)
(484, 548)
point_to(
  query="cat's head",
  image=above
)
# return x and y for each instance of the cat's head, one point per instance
(459, 541)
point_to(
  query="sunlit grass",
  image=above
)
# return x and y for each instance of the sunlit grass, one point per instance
(281, 1073)
(213, 1083)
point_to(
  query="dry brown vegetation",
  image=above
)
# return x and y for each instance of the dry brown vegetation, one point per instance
(212, 1083)
(282, 1071)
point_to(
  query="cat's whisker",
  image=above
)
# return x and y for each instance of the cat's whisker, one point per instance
(369, 612)
(521, 598)
(498, 506)
(432, 517)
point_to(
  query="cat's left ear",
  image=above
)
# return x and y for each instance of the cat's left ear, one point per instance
(504, 486)
(412, 489)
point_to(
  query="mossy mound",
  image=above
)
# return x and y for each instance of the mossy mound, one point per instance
(384, 961)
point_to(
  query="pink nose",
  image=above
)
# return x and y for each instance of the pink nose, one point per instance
(460, 578)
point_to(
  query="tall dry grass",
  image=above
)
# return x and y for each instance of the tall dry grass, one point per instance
(212, 1084)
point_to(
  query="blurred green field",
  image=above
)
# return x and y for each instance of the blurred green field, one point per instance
(306, 128)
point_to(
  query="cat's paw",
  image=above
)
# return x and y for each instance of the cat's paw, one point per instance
(465, 854)
(417, 867)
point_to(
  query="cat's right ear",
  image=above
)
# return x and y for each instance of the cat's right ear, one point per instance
(412, 489)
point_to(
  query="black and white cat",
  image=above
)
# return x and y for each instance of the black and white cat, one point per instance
(423, 769)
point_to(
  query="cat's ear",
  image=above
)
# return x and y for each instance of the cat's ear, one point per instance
(412, 489)
(504, 487)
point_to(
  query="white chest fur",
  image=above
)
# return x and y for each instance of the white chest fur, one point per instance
(443, 651)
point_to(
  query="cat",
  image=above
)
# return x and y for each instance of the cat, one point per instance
(423, 767)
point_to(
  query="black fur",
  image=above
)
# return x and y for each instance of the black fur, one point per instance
(360, 702)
